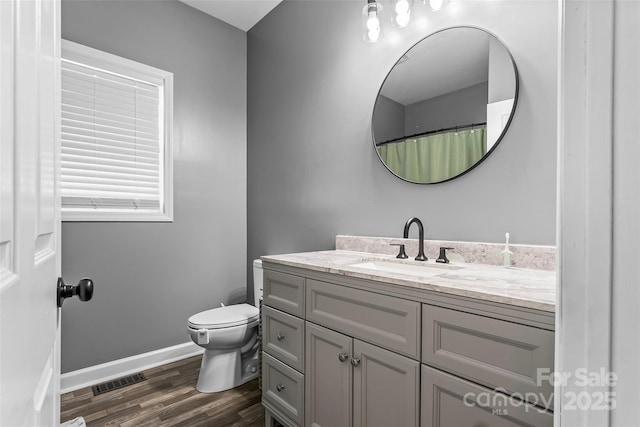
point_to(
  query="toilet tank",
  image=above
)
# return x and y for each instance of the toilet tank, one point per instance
(257, 282)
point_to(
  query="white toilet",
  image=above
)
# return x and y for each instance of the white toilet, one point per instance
(229, 336)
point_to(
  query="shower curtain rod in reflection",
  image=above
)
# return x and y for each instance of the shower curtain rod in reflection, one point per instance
(471, 125)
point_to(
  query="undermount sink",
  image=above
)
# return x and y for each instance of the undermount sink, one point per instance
(426, 270)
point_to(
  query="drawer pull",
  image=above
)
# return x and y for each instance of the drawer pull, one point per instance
(355, 361)
(280, 337)
(342, 357)
(280, 387)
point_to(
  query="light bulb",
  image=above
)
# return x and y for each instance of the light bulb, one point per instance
(373, 35)
(373, 23)
(402, 19)
(402, 13)
(402, 7)
(438, 4)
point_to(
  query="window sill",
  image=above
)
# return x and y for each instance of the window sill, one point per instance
(93, 216)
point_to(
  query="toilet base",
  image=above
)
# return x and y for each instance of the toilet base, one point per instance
(225, 369)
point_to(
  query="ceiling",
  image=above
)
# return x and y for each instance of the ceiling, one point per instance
(242, 14)
(442, 63)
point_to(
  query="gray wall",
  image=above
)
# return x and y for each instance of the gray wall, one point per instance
(388, 119)
(501, 80)
(312, 169)
(150, 277)
(462, 107)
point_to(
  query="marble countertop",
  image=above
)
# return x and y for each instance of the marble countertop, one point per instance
(508, 285)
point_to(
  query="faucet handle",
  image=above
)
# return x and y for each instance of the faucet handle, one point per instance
(443, 255)
(402, 254)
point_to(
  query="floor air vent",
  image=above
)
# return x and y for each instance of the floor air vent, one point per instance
(117, 383)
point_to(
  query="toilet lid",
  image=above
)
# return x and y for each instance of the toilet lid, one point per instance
(224, 317)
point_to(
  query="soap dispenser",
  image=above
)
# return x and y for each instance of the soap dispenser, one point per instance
(506, 253)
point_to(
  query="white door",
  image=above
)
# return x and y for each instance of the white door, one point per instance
(29, 212)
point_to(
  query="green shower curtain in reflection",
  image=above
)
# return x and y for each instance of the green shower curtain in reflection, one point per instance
(436, 157)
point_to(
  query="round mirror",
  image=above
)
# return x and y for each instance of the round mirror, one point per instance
(445, 105)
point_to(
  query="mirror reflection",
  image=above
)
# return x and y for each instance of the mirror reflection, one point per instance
(445, 105)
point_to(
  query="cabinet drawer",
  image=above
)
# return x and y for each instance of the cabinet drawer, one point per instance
(283, 337)
(283, 387)
(284, 292)
(389, 322)
(451, 401)
(488, 351)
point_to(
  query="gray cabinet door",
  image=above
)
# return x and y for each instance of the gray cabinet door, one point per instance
(385, 388)
(449, 401)
(328, 382)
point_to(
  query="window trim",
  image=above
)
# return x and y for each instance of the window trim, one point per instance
(87, 56)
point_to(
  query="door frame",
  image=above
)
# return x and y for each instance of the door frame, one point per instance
(598, 206)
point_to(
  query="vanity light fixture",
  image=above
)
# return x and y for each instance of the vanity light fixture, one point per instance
(402, 12)
(372, 22)
(437, 5)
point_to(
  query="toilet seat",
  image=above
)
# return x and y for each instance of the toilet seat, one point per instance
(225, 317)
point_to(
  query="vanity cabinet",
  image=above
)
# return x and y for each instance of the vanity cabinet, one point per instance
(344, 351)
(353, 383)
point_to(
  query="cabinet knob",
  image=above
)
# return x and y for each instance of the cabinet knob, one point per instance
(343, 357)
(280, 337)
(355, 361)
(280, 387)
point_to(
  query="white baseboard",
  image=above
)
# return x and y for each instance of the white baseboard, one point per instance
(92, 375)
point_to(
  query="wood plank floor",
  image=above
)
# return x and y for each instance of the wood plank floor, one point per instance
(167, 398)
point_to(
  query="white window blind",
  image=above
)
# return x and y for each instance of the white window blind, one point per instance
(115, 159)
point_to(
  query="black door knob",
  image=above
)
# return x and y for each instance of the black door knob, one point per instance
(84, 290)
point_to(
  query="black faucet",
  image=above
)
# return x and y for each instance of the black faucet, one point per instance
(405, 235)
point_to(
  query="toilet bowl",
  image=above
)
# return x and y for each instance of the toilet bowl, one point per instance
(229, 336)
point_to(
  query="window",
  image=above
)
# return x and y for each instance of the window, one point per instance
(116, 159)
